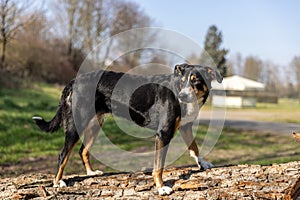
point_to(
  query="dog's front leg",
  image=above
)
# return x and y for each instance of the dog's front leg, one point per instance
(161, 148)
(187, 135)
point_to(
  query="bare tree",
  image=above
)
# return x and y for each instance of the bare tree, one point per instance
(252, 68)
(230, 71)
(103, 15)
(86, 24)
(239, 63)
(12, 19)
(72, 12)
(235, 64)
(94, 24)
(129, 15)
(92, 21)
(271, 77)
(295, 65)
(35, 53)
(67, 18)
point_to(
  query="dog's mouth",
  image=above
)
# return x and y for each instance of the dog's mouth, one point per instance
(183, 98)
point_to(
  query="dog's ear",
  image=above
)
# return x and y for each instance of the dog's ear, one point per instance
(213, 74)
(179, 69)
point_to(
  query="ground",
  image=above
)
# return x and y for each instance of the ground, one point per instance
(256, 142)
(231, 182)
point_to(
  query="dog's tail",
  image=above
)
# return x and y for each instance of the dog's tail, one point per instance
(53, 125)
(57, 121)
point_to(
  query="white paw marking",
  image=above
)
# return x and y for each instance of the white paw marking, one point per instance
(165, 190)
(96, 172)
(60, 184)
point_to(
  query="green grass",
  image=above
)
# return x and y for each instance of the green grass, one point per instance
(248, 147)
(21, 139)
(284, 104)
(287, 111)
(19, 136)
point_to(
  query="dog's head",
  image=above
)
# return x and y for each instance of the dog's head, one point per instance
(193, 82)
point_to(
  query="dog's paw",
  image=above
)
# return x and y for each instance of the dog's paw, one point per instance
(96, 172)
(165, 190)
(204, 164)
(60, 184)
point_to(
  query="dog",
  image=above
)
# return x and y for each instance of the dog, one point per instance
(164, 103)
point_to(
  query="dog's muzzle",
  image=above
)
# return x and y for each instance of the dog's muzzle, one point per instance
(184, 97)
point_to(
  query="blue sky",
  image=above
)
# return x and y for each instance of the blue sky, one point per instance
(269, 29)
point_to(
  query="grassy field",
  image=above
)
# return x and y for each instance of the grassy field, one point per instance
(20, 139)
(287, 110)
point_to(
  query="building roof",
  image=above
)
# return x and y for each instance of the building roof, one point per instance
(238, 83)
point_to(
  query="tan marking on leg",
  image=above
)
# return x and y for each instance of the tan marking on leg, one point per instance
(177, 123)
(157, 176)
(61, 168)
(85, 154)
(189, 140)
(100, 118)
(90, 134)
(159, 161)
(194, 152)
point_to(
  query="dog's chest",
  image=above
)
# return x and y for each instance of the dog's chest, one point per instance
(190, 112)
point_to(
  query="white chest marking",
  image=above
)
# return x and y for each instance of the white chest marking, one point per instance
(192, 111)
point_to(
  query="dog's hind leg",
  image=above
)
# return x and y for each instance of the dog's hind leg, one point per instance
(162, 141)
(90, 134)
(187, 135)
(71, 138)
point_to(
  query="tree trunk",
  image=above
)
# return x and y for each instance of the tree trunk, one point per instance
(279, 181)
(4, 42)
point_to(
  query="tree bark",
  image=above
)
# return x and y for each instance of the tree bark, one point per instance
(279, 181)
(4, 42)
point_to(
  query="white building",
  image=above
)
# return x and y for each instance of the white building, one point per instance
(236, 91)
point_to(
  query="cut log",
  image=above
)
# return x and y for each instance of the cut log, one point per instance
(278, 181)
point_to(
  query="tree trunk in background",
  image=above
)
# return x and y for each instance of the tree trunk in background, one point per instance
(4, 42)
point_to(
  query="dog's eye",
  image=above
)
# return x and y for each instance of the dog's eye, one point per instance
(193, 78)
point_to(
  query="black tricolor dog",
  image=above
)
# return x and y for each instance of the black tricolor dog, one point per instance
(164, 103)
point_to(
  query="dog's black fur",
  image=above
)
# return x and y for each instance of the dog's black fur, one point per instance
(162, 103)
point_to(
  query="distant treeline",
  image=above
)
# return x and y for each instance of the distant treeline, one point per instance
(49, 41)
